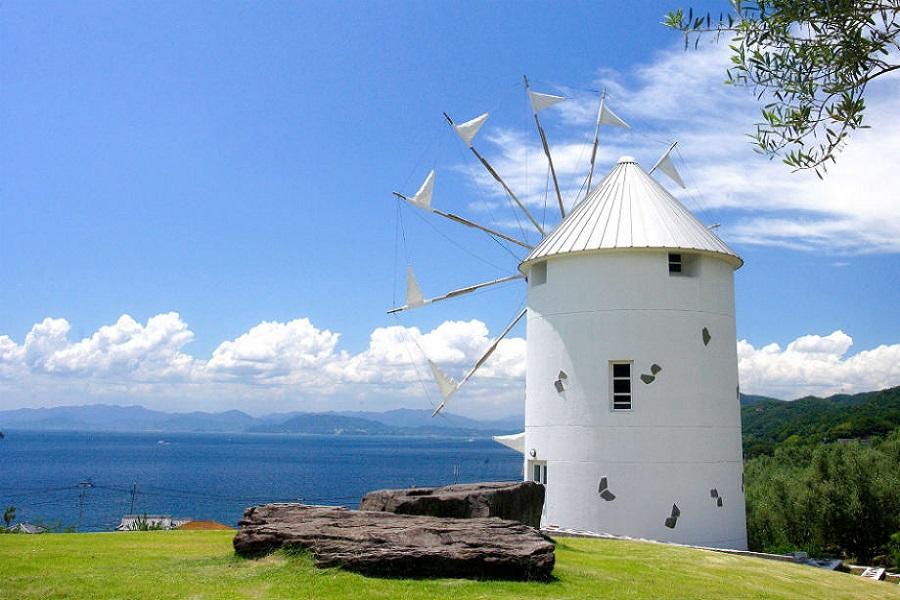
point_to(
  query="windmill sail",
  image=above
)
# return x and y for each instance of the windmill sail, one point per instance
(539, 102)
(666, 165)
(607, 117)
(476, 366)
(414, 296)
(604, 117)
(422, 198)
(468, 130)
(446, 384)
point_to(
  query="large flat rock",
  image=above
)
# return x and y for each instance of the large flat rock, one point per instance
(392, 545)
(521, 501)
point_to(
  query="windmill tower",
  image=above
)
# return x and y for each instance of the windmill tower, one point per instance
(631, 416)
(632, 419)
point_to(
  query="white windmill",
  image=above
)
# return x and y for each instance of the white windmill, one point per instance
(632, 419)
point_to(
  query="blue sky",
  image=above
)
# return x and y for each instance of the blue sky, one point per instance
(234, 164)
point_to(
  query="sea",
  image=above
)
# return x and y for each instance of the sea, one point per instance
(86, 481)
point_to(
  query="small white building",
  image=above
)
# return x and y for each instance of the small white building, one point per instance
(632, 417)
(28, 528)
(132, 522)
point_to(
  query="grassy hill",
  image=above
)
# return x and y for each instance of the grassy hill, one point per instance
(197, 565)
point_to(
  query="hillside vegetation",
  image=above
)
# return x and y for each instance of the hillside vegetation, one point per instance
(767, 422)
(202, 565)
(823, 476)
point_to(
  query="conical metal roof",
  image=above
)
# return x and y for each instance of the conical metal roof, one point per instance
(630, 210)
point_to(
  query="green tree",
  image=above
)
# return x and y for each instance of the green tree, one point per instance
(8, 515)
(810, 62)
(143, 524)
(893, 549)
(837, 499)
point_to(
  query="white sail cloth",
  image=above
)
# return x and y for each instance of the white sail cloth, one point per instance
(541, 101)
(666, 165)
(422, 198)
(468, 130)
(607, 117)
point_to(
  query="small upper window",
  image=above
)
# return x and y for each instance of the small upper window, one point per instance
(620, 385)
(676, 266)
(537, 275)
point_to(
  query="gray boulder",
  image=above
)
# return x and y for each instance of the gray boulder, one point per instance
(517, 501)
(391, 545)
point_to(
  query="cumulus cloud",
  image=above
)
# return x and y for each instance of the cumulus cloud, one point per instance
(151, 351)
(681, 96)
(274, 352)
(296, 357)
(816, 365)
(297, 361)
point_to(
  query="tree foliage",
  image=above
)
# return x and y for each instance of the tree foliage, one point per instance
(766, 423)
(810, 61)
(8, 515)
(831, 499)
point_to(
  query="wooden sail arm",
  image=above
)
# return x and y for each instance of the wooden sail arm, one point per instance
(490, 169)
(596, 143)
(468, 223)
(493, 232)
(537, 121)
(479, 362)
(458, 292)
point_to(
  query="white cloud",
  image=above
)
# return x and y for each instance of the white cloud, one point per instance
(681, 96)
(271, 359)
(275, 352)
(297, 366)
(816, 365)
(151, 351)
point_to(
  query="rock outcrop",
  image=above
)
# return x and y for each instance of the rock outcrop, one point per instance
(518, 501)
(392, 545)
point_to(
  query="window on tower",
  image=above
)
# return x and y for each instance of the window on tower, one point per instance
(620, 385)
(537, 275)
(676, 266)
(682, 265)
(538, 471)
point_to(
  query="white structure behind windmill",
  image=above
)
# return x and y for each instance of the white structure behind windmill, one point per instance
(632, 417)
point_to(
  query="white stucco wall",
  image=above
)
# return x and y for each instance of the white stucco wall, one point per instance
(682, 437)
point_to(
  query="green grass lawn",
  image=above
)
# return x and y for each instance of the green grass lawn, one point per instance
(201, 564)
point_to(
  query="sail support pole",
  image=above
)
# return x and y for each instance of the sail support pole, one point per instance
(480, 361)
(488, 230)
(458, 292)
(596, 142)
(537, 121)
(490, 169)
(468, 223)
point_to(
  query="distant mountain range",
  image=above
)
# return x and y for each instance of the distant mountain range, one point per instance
(104, 417)
(766, 421)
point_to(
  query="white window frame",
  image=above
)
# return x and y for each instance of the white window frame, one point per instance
(613, 379)
(541, 466)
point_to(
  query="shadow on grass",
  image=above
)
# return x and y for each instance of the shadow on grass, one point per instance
(307, 556)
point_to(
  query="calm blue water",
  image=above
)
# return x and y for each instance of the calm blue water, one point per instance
(215, 476)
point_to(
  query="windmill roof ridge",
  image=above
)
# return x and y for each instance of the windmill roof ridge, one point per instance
(630, 210)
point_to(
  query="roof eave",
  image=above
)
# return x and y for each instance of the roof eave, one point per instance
(733, 259)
